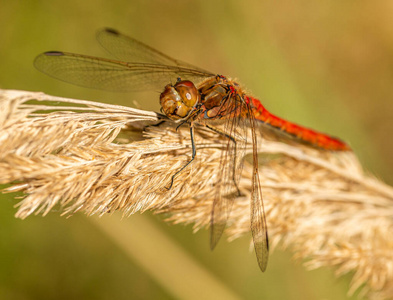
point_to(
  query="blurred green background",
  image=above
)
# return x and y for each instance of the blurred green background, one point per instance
(324, 64)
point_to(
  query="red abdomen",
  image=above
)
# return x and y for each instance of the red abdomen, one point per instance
(310, 136)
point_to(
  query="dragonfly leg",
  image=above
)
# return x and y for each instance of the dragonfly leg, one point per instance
(234, 156)
(190, 161)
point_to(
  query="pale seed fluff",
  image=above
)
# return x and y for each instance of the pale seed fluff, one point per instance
(99, 158)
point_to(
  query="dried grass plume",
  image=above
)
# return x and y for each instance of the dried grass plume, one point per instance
(98, 158)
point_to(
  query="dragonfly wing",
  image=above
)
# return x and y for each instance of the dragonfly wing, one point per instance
(231, 164)
(258, 219)
(223, 199)
(218, 221)
(112, 75)
(129, 49)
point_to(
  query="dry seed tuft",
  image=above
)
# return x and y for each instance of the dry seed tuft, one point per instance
(98, 158)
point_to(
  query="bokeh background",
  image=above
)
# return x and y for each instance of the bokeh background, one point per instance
(325, 64)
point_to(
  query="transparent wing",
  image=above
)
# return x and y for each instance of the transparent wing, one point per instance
(131, 50)
(235, 130)
(113, 75)
(258, 219)
(238, 124)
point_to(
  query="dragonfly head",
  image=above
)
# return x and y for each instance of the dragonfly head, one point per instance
(177, 101)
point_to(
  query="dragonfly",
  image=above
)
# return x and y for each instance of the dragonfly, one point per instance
(197, 97)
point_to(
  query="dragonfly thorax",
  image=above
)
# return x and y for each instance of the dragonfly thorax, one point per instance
(177, 101)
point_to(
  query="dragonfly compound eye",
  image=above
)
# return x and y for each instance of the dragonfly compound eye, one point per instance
(172, 103)
(188, 92)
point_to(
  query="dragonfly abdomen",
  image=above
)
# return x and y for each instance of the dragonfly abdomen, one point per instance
(307, 135)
